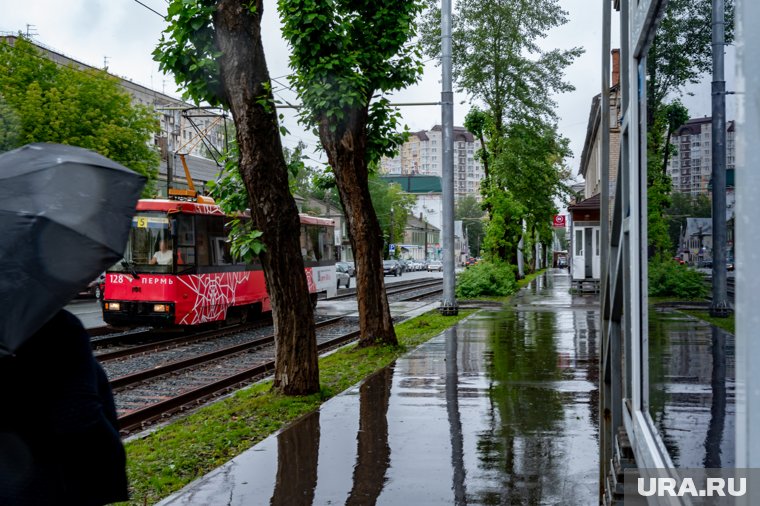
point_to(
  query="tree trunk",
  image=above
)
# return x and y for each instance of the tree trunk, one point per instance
(346, 151)
(245, 79)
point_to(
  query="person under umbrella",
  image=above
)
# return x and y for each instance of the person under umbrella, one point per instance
(65, 213)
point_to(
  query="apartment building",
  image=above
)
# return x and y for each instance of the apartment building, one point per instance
(422, 155)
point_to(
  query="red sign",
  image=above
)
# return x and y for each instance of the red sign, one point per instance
(559, 220)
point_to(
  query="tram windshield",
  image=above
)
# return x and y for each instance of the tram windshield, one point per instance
(150, 247)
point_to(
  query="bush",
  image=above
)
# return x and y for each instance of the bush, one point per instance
(668, 278)
(486, 278)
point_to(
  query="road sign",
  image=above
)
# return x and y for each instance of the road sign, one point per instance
(391, 248)
(559, 220)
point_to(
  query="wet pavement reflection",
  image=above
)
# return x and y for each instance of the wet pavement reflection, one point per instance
(498, 410)
(692, 398)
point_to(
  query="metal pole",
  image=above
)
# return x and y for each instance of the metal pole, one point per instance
(606, 423)
(747, 232)
(720, 305)
(448, 303)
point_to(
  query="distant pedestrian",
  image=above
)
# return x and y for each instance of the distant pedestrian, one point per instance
(59, 443)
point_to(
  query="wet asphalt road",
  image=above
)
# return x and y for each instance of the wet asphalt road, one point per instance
(498, 410)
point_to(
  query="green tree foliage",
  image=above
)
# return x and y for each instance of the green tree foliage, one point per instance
(392, 207)
(527, 176)
(681, 54)
(230, 194)
(497, 61)
(496, 57)
(340, 63)
(214, 49)
(486, 279)
(470, 211)
(682, 206)
(346, 55)
(668, 278)
(10, 127)
(67, 105)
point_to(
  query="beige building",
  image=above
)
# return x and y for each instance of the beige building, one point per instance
(422, 155)
(591, 157)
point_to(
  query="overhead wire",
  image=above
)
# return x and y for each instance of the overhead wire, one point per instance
(151, 9)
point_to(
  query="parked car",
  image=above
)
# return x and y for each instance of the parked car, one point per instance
(435, 266)
(94, 288)
(417, 265)
(391, 267)
(341, 275)
(348, 268)
(562, 262)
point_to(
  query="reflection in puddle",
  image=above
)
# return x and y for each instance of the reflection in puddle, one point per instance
(691, 377)
(501, 409)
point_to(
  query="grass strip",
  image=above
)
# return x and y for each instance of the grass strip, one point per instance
(727, 324)
(180, 452)
(522, 283)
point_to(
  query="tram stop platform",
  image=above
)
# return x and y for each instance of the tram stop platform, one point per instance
(500, 409)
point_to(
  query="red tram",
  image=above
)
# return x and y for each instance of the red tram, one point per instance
(178, 270)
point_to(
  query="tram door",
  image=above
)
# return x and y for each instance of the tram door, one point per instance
(588, 249)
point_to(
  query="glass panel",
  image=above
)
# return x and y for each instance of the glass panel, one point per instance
(579, 242)
(149, 246)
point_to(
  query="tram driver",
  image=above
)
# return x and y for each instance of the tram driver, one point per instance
(163, 256)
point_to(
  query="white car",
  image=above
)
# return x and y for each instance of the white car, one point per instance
(435, 266)
(342, 276)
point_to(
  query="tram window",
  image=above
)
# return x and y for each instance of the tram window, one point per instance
(317, 243)
(221, 251)
(148, 232)
(309, 243)
(185, 240)
(326, 243)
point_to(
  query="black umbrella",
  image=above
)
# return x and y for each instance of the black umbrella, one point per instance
(65, 214)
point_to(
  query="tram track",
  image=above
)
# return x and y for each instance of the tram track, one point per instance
(395, 288)
(145, 398)
(162, 343)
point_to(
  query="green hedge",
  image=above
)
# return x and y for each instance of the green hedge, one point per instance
(668, 278)
(486, 279)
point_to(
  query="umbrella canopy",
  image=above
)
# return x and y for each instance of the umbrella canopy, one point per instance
(65, 214)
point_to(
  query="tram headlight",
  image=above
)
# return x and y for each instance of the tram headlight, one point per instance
(112, 306)
(161, 308)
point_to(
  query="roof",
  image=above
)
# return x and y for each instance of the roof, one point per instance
(591, 129)
(421, 135)
(416, 184)
(698, 226)
(167, 205)
(591, 203)
(413, 222)
(460, 133)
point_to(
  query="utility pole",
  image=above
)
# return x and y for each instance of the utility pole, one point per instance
(390, 238)
(449, 302)
(424, 221)
(720, 306)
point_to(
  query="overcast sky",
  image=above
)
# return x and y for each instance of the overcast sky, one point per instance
(126, 32)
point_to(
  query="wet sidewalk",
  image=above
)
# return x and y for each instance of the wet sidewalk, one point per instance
(501, 409)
